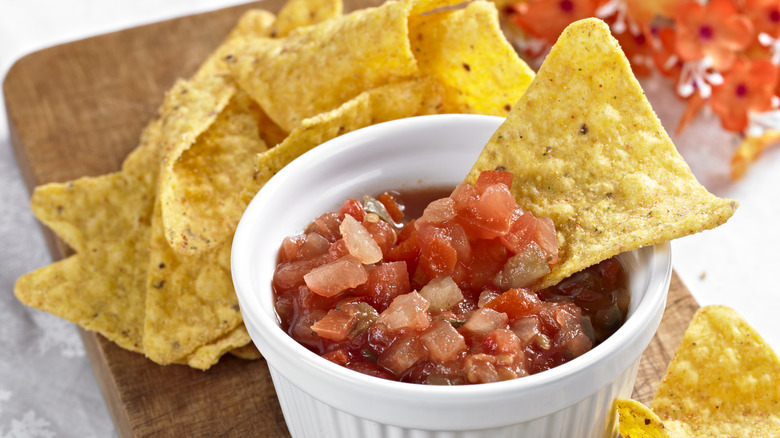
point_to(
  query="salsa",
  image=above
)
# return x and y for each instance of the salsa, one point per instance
(442, 294)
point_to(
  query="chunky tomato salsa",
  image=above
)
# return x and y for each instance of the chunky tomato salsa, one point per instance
(446, 296)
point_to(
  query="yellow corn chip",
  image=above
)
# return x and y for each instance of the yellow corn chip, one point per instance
(420, 7)
(321, 66)
(190, 300)
(236, 340)
(467, 52)
(638, 421)
(248, 352)
(724, 380)
(100, 289)
(199, 193)
(587, 150)
(253, 23)
(301, 13)
(404, 99)
(750, 149)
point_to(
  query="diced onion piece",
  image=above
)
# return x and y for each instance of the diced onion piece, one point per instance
(485, 320)
(402, 354)
(337, 276)
(487, 296)
(443, 342)
(480, 368)
(359, 241)
(526, 329)
(439, 210)
(442, 293)
(524, 268)
(408, 311)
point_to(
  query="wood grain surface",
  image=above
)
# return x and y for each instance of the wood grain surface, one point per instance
(77, 109)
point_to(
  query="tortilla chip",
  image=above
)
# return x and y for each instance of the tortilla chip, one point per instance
(301, 13)
(247, 352)
(587, 151)
(199, 193)
(467, 52)
(638, 421)
(750, 149)
(724, 380)
(100, 289)
(253, 23)
(318, 68)
(208, 355)
(404, 99)
(190, 300)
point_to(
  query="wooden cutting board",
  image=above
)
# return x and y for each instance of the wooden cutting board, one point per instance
(77, 109)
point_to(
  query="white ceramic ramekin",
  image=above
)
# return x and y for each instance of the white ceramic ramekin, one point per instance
(322, 399)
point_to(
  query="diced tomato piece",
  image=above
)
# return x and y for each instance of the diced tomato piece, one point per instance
(385, 282)
(487, 258)
(383, 233)
(490, 177)
(501, 341)
(546, 238)
(402, 354)
(484, 216)
(337, 250)
(360, 243)
(465, 197)
(392, 207)
(443, 341)
(495, 207)
(520, 233)
(406, 251)
(301, 330)
(407, 231)
(352, 207)
(409, 311)
(290, 274)
(335, 325)
(290, 247)
(370, 369)
(516, 303)
(437, 255)
(339, 356)
(327, 225)
(337, 276)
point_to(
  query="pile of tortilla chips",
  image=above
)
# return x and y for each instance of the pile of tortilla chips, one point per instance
(151, 270)
(724, 381)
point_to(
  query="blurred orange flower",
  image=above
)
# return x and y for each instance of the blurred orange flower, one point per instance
(645, 10)
(638, 50)
(546, 19)
(665, 57)
(748, 86)
(716, 30)
(765, 15)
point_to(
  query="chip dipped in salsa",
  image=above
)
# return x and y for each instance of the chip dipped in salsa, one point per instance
(437, 287)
